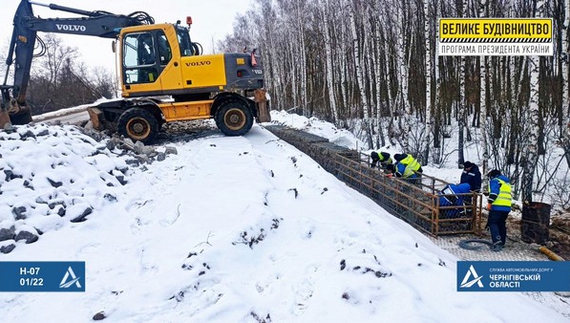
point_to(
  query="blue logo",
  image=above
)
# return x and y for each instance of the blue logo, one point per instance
(50, 276)
(471, 278)
(70, 279)
(513, 276)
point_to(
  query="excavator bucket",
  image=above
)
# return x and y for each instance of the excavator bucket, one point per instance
(13, 113)
(5, 122)
(97, 118)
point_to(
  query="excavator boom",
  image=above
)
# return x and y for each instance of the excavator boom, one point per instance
(13, 107)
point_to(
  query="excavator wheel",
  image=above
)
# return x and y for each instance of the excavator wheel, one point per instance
(234, 118)
(138, 124)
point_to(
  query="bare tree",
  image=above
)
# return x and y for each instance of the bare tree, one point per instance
(565, 131)
(531, 148)
(61, 80)
(429, 56)
(483, 96)
(329, 60)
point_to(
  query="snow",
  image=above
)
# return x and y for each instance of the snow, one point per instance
(229, 229)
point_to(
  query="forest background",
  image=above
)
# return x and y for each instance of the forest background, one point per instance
(372, 67)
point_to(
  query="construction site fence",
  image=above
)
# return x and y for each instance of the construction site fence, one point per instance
(416, 201)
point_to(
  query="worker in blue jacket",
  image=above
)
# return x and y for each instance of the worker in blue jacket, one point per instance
(407, 166)
(471, 175)
(451, 196)
(499, 206)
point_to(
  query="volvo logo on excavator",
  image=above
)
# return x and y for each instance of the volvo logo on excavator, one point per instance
(201, 63)
(70, 27)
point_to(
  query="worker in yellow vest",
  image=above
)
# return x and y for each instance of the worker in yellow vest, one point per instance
(407, 166)
(381, 159)
(499, 206)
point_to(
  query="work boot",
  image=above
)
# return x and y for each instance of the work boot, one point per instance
(497, 246)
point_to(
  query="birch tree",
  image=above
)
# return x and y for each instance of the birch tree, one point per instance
(380, 141)
(359, 70)
(483, 97)
(462, 104)
(328, 59)
(565, 131)
(426, 144)
(531, 149)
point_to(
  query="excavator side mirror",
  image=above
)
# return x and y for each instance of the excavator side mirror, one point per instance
(114, 46)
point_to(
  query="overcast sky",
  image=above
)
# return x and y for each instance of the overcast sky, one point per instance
(212, 20)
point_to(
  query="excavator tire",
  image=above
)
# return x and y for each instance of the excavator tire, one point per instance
(234, 118)
(138, 124)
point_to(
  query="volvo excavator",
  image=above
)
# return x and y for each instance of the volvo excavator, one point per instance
(163, 75)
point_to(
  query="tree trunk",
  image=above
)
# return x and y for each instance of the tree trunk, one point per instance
(329, 63)
(482, 99)
(462, 104)
(531, 148)
(429, 55)
(565, 131)
(360, 75)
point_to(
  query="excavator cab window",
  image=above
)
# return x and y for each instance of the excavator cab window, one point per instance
(186, 48)
(164, 50)
(139, 58)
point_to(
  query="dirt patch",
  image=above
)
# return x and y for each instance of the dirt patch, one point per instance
(183, 131)
(559, 234)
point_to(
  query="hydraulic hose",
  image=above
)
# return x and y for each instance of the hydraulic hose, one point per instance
(468, 244)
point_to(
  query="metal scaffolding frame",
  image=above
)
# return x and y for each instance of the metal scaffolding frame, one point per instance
(416, 201)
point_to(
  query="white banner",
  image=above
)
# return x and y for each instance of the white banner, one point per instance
(495, 49)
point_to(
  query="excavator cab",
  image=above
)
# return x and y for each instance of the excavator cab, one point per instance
(152, 56)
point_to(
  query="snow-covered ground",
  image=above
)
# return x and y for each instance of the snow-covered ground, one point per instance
(228, 229)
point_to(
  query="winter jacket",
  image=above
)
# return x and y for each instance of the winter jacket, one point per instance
(472, 177)
(500, 194)
(407, 167)
(385, 158)
(382, 157)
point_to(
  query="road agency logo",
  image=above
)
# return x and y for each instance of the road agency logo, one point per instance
(471, 278)
(513, 276)
(70, 279)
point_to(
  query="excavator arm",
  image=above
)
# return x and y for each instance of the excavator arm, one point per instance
(13, 107)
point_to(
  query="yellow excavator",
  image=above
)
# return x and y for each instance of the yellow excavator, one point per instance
(164, 76)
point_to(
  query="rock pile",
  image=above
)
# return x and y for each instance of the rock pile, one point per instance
(53, 175)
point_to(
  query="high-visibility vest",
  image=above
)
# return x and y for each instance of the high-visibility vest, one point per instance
(504, 198)
(412, 166)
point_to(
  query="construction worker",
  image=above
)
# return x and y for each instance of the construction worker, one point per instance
(407, 166)
(499, 206)
(382, 160)
(471, 175)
